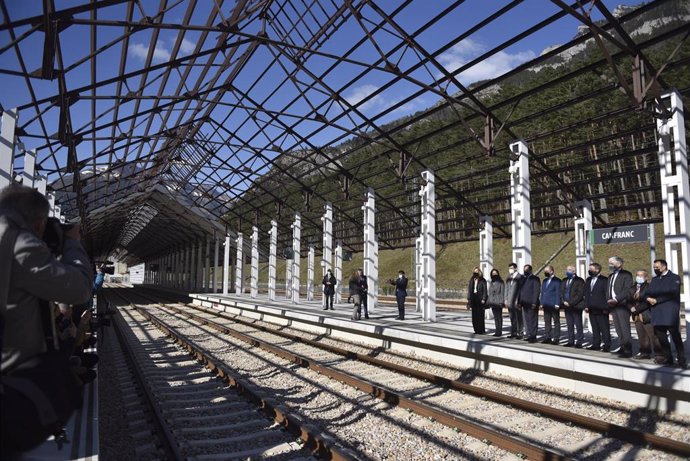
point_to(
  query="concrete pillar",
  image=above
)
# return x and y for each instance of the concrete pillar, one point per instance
(310, 274)
(296, 257)
(199, 266)
(520, 205)
(40, 184)
(675, 193)
(419, 286)
(216, 263)
(583, 243)
(370, 264)
(189, 267)
(239, 265)
(29, 173)
(226, 265)
(272, 260)
(427, 242)
(326, 258)
(338, 271)
(7, 126)
(486, 246)
(207, 264)
(51, 200)
(288, 278)
(254, 281)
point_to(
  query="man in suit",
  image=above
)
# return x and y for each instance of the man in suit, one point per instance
(619, 296)
(329, 283)
(572, 298)
(598, 309)
(550, 304)
(663, 295)
(476, 300)
(512, 288)
(528, 299)
(400, 293)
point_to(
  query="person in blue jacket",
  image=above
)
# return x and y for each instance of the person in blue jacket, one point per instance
(663, 295)
(550, 297)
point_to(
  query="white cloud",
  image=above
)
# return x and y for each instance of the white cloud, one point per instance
(187, 46)
(491, 67)
(361, 93)
(141, 51)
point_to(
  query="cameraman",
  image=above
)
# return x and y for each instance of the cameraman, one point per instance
(33, 273)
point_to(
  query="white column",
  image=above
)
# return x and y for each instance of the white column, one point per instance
(427, 292)
(51, 200)
(583, 243)
(216, 251)
(310, 274)
(189, 267)
(226, 265)
(180, 269)
(239, 265)
(254, 281)
(288, 278)
(29, 173)
(486, 245)
(272, 260)
(296, 257)
(419, 286)
(326, 258)
(338, 271)
(369, 209)
(40, 184)
(520, 205)
(199, 266)
(207, 270)
(675, 193)
(9, 122)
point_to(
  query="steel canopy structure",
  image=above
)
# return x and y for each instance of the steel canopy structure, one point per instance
(158, 124)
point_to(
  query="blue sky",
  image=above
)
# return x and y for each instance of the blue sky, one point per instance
(263, 130)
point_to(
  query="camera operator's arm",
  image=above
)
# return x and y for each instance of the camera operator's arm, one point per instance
(39, 273)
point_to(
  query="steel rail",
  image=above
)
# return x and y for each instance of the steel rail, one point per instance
(168, 441)
(513, 444)
(319, 445)
(614, 430)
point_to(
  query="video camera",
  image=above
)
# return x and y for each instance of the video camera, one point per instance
(54, 235)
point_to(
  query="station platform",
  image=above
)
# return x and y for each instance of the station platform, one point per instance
(452, 340)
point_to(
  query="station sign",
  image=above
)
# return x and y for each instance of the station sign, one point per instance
(620, 234)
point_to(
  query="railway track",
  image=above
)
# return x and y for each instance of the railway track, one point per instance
(490, 417)
(177, 410)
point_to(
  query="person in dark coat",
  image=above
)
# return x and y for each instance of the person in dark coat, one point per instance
(400, 293)
(362, 289)
(476, 300)
(663, 295)
(619, 296)
(598, 308)
(528, 299)
(353, 286)
(573, 303)
(495, 300)
(550, 304)
(328, 289)
(642, 316)
(512, 288)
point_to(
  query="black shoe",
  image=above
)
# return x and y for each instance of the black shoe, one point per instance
(555, 341)
(519, 337)
(398, 318)
(568, 345)
(666, 362)
(578, 346)
(606, 349)
(497, 334)
(546, 341)
(366, 316)
(617, 351)
(593, 348)
(532, 339)
(682, 363)
(325, 309)
(512, 335)
(625, 355)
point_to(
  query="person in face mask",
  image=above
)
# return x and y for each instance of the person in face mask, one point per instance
(643, 319)
(528, 299)
(550, 303)
(329, 283)
(496, 300)
(476, 300)
(663, 295)
(512, 288)
(598, 309)
(400, 293)
(619, 298)
(572, 297)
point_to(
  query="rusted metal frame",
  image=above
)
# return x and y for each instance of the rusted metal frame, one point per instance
(95, 4)
(476, 430)
(316, 443)
(18, 40)
(623, 433)
(27, 81)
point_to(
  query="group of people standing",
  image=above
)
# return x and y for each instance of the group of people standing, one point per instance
(654, 307)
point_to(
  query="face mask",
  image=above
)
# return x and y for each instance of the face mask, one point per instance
(657, 271)
(528, 272)
(639, 280)
(569, 274)
(476, 274)
(547, 273)
(511, 271)
(494, 276)
(593, 273)
(400, 276)
(612, 268)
